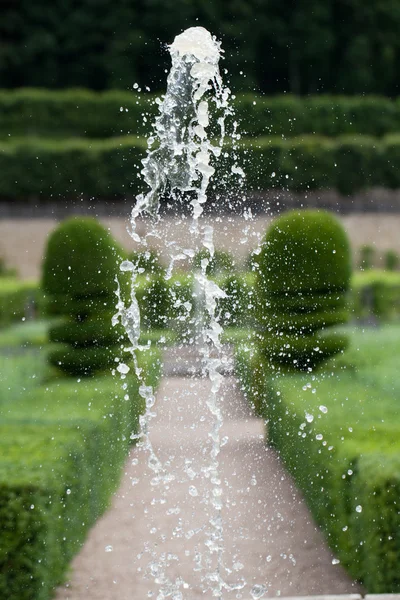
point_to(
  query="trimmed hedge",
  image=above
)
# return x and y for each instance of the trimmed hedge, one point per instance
(61, 451)
(109, 168)
(74, 112)
(84, 113)
(346, 462)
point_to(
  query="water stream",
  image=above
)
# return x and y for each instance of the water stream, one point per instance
(179, 165)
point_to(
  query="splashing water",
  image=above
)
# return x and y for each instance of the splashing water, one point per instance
(179, 165)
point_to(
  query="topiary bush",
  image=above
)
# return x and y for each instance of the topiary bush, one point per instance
(304, 275)
(79, 270)
(391, 259)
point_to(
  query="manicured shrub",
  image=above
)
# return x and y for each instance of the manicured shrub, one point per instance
(79, 270)
(392, 261)
(302, 283)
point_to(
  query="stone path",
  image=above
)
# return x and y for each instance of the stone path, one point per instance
(270, 537)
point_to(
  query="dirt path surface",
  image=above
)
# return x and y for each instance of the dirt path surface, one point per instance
(270, 537)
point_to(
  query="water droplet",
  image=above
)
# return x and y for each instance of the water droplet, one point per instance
(123, 368)
(258, 591)
(335, 561)
(108, 548)
(193, 491)
(359, 508)
(309, 418)
(323, 409)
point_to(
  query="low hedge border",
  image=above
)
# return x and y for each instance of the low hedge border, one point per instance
(109, 168)
(84, 113)
(61, 451)
(346, 462)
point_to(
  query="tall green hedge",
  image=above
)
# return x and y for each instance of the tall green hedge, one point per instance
(84, 113)
(63, 170)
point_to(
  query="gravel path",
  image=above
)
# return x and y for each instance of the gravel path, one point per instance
(270, 537)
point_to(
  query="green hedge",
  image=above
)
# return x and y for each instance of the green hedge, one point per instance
(84, 113)
(61, 449)
(74, 112)
(18, 299)
(339, 435)
(109, 168)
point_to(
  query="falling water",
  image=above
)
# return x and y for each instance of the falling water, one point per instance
(179, 165)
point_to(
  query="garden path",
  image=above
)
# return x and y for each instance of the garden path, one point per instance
(270, 536)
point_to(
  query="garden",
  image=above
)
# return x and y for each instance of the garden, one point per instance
(311, 318)
(329, 400)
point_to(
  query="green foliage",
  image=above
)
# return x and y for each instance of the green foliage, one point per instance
(367, 257)
(221, 262)
(155, 304)
(376, 293)
(70, 167)
(18, 299)
(392, 260)
(80, 260)
(338, 434)
(74, 113)
(83, 113)
(79, 271)
(103, 168)
(304, 274)
(238, 308)
(62, 447)
(305, 47)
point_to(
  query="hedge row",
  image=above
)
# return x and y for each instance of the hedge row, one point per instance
(61, 450)
(339, 438)
(109, 168)
(83, 113)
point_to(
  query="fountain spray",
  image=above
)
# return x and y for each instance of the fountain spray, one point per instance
(179, 165)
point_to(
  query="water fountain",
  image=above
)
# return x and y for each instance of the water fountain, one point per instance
(179, 163)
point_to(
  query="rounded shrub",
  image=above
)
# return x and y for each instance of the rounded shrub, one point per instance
(304, 275)
(79, 269)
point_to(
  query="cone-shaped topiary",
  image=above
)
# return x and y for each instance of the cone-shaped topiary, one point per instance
(304, 274)
(79, 270)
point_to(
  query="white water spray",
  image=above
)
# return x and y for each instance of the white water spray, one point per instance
(179, 165)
